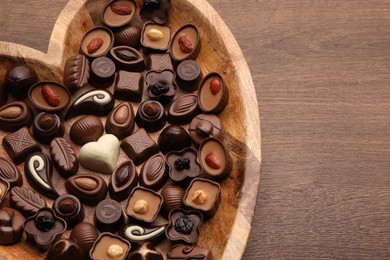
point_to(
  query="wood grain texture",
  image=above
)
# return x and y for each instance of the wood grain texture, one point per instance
(321, 72)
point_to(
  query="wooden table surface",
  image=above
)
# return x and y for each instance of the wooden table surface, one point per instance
(322, 76)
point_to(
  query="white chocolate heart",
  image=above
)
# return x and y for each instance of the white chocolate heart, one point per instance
(102, 155)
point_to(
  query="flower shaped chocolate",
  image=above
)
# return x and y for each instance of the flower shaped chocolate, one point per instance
(183, 165)
(184, 225)
(161, 85)
(44, 228)
(155, 10)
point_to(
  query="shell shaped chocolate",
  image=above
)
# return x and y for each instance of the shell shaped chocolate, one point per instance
(172, 197)
(128, 36)
(154, 172)
(84, 234)
(64, 157)
(86, 129)
(120, 122)
(76, 72)
(15, 115)
(10, 173)
(183, 109)
(123, 180)
(38, 169)
(47, 126)
(88, 188)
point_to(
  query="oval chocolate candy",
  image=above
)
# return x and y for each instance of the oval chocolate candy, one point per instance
(183, 109)
(154, 172)
(88, 188)
(120, 122)
(123, 180)
(15, 115)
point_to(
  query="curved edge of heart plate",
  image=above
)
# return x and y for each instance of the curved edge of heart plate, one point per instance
(75, 19)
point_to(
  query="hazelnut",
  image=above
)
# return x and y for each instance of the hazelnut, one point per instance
(155, 34)
(141, 206)
(114, 251)
(67, 206)
(199, 197)
(47, 121)
(151, 109)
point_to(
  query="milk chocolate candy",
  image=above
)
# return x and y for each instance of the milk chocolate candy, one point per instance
(150, 115)
(84, 234)
(47, 126)
(119, 13)
(20, 144)
(49, 96)
(19, 79)
(27, 201)
(203, 126)
(183, 109)
(64, 157)
(15, 115)
(189, 75)
(161, 85)
(172, 198)
(38, 170)
(109, 246)
(213, 94)
(184, 226)
(183, 165)
(4, 188)
(120, 122)
(102, 72)
(146, 251)
(138, 234)
(129, 86)
(182, 251)
(185, 43)
(86, 129)
(97, 42)
(95, 102)
(159, 61)
(173, 138)
(127, 58)
(157, 11)
(70, 209)
(88, 188)
(123, 180)
(155, 37)
(11, 226)
(128, 36)
(154, 172)
(64, 249)
(139, 146)
(10, 173)
(143, 204)
(76, 72)
(108, 216)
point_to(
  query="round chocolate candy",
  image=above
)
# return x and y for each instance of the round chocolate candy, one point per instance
(102, 72)
(154, 172)
(47, 126)
(150, 115)
(172, 197)
(19, 79)
(70, 209)
(120, 122)
(123, 180)
(189, 75)
(15, 115)
(108, 216)
(173, 138)
(128, 36)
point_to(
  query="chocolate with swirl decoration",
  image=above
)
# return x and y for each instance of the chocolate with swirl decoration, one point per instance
(96, 102)
(186, 252)
(38, 169)
(139, 234)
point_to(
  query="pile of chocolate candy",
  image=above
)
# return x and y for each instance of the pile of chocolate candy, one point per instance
(131, 62)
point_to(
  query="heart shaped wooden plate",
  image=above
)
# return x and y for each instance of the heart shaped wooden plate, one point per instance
(226, 234)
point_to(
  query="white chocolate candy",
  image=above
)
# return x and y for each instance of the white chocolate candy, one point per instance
(100, 156)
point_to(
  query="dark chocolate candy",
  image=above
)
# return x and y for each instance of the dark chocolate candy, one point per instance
(49, 96)
(161, 85)
(102, 72)
(143, 204)
(89, 188)
(119, 13)
(184, 225)
(138, 234)
(154, 172)
(44, 228)
(47, 126)
(4, 188)
(203, 126)
(146, 251)
(84, 234)
(173, 138)
(183, 165)
(3, 93)
(172, 197)
(185, 43)
(108, 216)
(129, 86)
(183, 109)
(70, 209)
(214, 159)
(11, 226)
(27, 201)
(181, 252)
(150, 115)
(123, 180)
(139, 146)
(76, 72)
(20, 144)
(128, 36)
(155, 37)
(157, 11)
(38, 170)
(65, 249)
(213, 94)
(15, 115)
(120, 122)
(64, 157)
(109, 246)
(10, 173)
(96, 102)
(19, 79)
(159, 61)
(189, 75)
(97, 42)
(127, 58)
(86, 129)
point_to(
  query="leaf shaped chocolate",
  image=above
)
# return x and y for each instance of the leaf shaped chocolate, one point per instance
(154, 172)
(39, 170)
(64, 157)
(27, 201)
(76, 72)
(10, 173)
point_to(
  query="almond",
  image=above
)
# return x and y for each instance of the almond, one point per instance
(11, 112)
(50, 96)
(86, 183)
(185, 44)
(215, 86)
(212, 161)
(121, 115)
(121, 9)
(94, 45)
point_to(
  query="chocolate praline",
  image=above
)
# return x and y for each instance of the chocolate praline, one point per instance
(189, 35)
(184, 225)
(47, 126)
(127, 58)
(143, 204)
(108, 216)
(4, 188)
(155, 37)
(109, 246)
(183, 109)
(120, 122)
(10, 173)
(86, 129)
(123, 180)
(150, 115)
(173, 138)
(70, 209)
(183, 165)
(154, 172)
(182, 251)
(65, 249)
(84, 234)
(76, 72)
(213, 94)
(172, 197)
(44, 228)
(203, 126)
(188, 75)
(89, 188)
(128, 36)
(19, 79)
(129, 86)
(49, 96)
(102, 72)
(118, 13)
(157, 11)
(11, 226)
(15, 115)
(106, 39)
